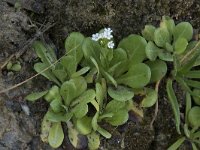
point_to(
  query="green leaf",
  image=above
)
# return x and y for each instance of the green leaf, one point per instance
(194, 147)
(183, 30)
(177, 144)
(148, 32)
(35, 96)
(134, 45)
(85, 97)
(60, 74)
(95, 104)
(94, 121)
(166, 56)
(104, 133)
(52, 94)
(109, 78)
(180, 45)
(174, 104)
(186, 130)
(45, 53)
(158, 70)
(168, 23)
(120, 117)
(91, 49)
(73, 46)
(40, 67)
(69, 63)
(80, 110)
(188, 107)
(137, 76)
(83, 125)
(152, 51)
(194, 74)
(169, 47)
(93, 141)
(118, 62)
(80, 72)
(194, 117)
(121, 93)
(45, 127)
(150, 98)
(58, 117)
(99, 94)
(16, 67)
(68, 92)
(196, 98)
(161, 37)
(114, 106)
(56, 135)
(56, 105)
(192, 83)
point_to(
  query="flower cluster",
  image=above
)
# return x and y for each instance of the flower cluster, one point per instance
(107, 35)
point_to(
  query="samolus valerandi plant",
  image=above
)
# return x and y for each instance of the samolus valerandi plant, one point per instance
(96, 81)
(93, 83)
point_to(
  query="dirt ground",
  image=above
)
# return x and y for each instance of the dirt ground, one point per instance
(20, 26)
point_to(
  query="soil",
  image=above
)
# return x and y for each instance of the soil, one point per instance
(19, 25)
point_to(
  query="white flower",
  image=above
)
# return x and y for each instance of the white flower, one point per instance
(95, 37)
(106, 34)
(111, 44)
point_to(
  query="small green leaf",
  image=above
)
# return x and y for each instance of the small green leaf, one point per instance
(121, 93)
(99, 94)
(91, 49)
(93, 141)
(85, 97)
(169, 47)
(45, 127)
(168, 23)
(177, 144)
(58, 117)
(120, 117)
(166, 56)
(56, 105)
(56, 135)
(174, 104)
(94, 121)
(16, 67)
(104, 133)
(148, 32)
(161, 37)
(52, 94)
(40, 67)
(84, 126)
(194, 117)
(95, 104)
(196, 98)
(80, 110)
(114, 106)
(9, 65)
(70, 64)
(180, 45)
(194, 147)
(60, 74)
(35, 96)
(192, 83)
(136, 54)
(150, 98)
(68, 92)
(137, 76)
(194, 74)
(188, 106)
(152, 51)
(158, 70)
(80, 72)
(73, 46)
(183, 30)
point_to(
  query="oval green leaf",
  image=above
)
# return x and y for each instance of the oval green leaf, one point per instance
(56, 135)
(180, 45)
(158, 70)
(150, 98)
(148, 32)
(137, 76)
(121, 93)
(194, 116)
(35, 96)
(196, 98)
(84, 125)
(161, 37)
